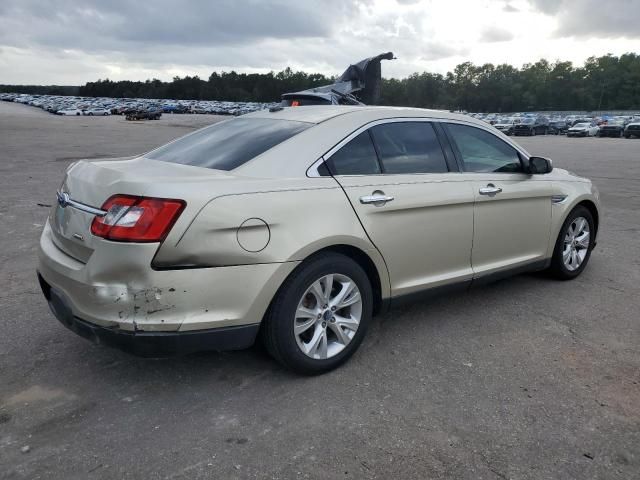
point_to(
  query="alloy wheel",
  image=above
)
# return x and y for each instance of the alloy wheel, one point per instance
(576, 243)
(328, 316)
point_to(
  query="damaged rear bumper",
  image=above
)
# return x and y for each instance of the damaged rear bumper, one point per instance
(117, 298)
(149, 344)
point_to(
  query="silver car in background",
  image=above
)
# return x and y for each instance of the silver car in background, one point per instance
(296, 225)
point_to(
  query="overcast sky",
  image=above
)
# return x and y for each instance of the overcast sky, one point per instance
(74, 41)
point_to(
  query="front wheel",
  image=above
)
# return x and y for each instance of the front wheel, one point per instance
(320, 314)
(573, 245)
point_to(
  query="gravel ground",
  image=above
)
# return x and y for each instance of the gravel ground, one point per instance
(524, 378)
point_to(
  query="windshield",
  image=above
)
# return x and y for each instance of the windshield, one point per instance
(528, 121)
(581, 125)
(227, 145)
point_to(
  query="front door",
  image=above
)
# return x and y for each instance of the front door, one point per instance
(512, 217)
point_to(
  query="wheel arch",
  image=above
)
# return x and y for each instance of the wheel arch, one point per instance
(379, 279)
(591, 206)
(367, 264)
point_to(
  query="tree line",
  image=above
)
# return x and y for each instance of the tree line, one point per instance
(601, 83)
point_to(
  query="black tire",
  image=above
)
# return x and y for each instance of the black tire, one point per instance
(557, 268)
(277, 329)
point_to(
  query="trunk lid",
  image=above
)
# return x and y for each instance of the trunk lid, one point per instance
(92, 183)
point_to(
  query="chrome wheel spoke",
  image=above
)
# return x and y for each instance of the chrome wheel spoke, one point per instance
(350, 323)
(304, 312)
(576, 243)
(328, 316)
(341, 300)
(583, 240)
(314, 346)
(302, 327)
(341, 335)
(323, 349)
(317, 290)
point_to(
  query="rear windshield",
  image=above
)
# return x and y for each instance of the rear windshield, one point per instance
(227, 145)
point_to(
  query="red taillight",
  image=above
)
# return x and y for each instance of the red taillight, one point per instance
(137, 219)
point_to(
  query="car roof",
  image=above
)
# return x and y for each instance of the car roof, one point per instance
(331, 125)
(321, 113)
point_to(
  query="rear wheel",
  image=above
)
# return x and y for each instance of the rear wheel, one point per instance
(573, 245)
(320, 315)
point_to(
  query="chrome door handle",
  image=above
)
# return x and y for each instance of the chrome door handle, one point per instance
(377, 198)
(490, 190)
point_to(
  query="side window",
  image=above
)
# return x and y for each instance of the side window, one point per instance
(358, 157)
(482, 151)
(408, 147)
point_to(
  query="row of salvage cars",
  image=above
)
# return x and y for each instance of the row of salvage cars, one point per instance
(571, 125)
(101, 106)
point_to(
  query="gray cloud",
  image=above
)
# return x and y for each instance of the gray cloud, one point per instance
(510, 8)
(593, 18)
(496, 34)
(437, 51)
(75, 41)
(96, 25)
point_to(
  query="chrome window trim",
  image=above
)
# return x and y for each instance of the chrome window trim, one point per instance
(312, 171)
(492, 131)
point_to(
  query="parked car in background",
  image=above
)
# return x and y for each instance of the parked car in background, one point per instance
(613, 128)
(195, 245)
(558, 127)
(506, 125)
(538, 125)
(632, 130)
(70, 111)
(583, 130)
(95, 111)
(143, 115)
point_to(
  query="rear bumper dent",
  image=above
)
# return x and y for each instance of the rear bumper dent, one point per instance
(149, 344)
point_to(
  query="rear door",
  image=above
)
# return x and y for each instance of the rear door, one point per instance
(512, 218)
(415, 209)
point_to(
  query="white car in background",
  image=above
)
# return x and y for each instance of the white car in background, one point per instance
(583, 130)
(96, 111)
(69, 111)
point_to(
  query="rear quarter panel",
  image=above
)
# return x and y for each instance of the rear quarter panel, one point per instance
(299, 222)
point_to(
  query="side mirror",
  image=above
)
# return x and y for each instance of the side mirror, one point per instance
(539, 165)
